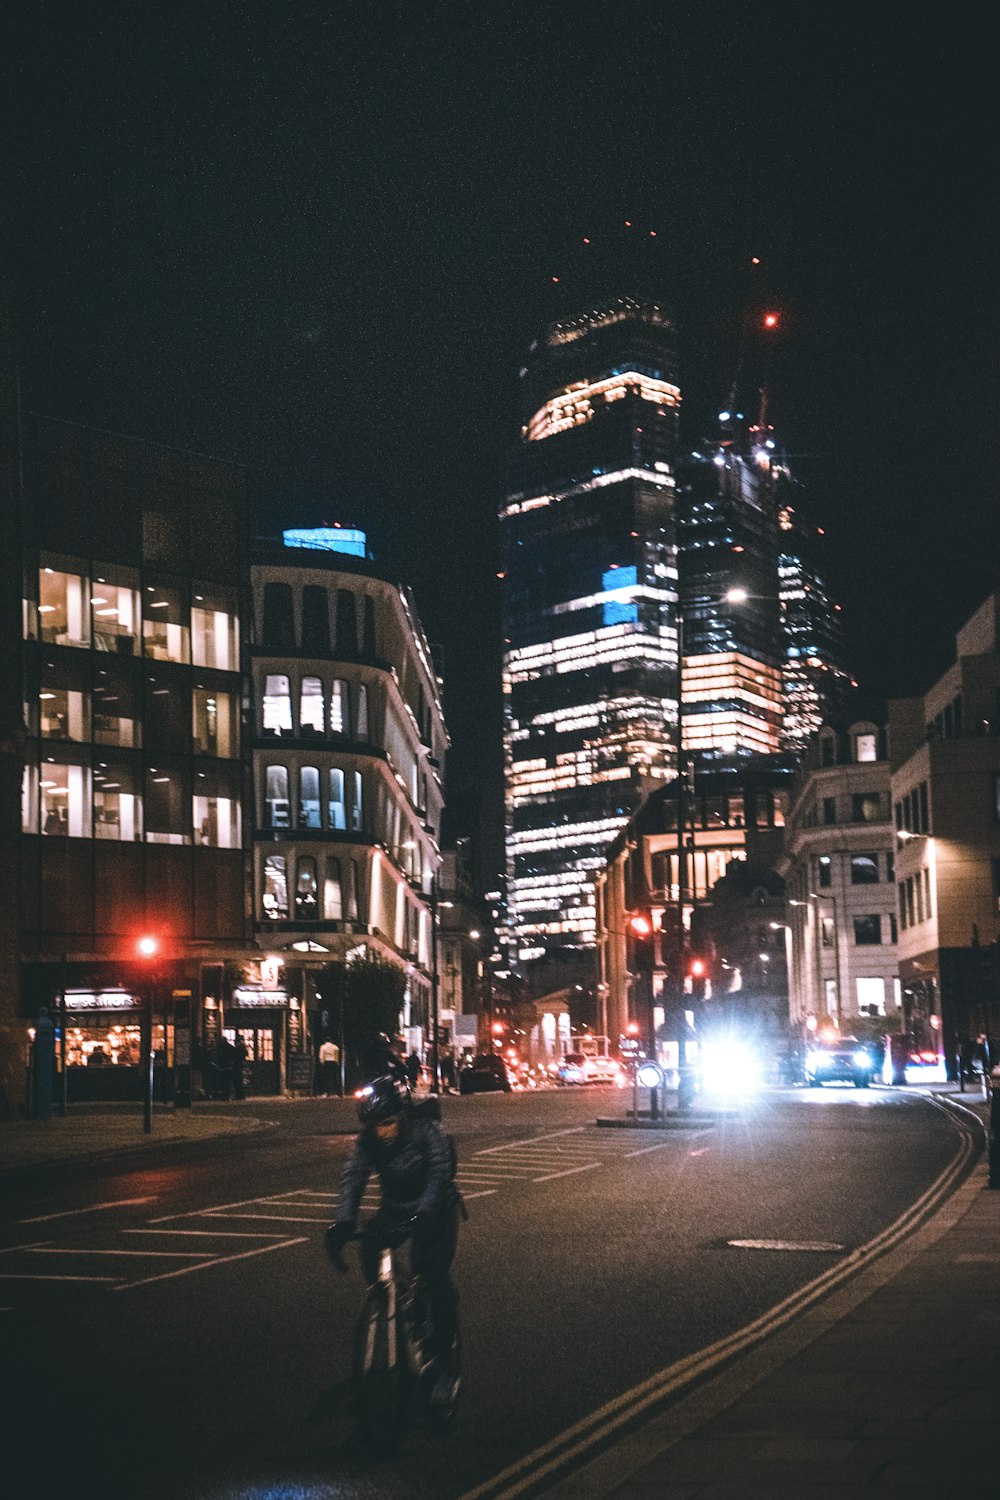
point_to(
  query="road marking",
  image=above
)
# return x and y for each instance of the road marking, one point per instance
(783, 1245)
(645, 1150)
(34, 1245)
(553, 1135)
(484, 1193)
(216, 1208)
(212, 1234)
(976, 1260)
(220, 1260)
(700, 1151)
(30, 1276)
(588, 1167)
(145, 1254)
(281, 1218)
(94, 1208)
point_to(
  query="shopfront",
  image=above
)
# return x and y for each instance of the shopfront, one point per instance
(103, 1044)
(261, 1018)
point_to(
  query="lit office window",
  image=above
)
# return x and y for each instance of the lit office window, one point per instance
(116, 721)
(311, 707)
(277, 705)
(117, 803)
(337, 810)
(276, 806)
(340, 716)
(29, 798)
(362, 712)
(333, 898)
(215, 631)
(215, 808)
(274, 898)
(306, 906)
(357, 804)
(65, 800)
(352, 890)
(165, 632)
(309, 800)
(114, 609)
(213, 726)
(63, 607)
(168, 806)
(865, 747)
(63, 708)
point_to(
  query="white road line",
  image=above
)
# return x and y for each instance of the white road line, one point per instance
(94, 1208)
(212, 1234)
(645, 1150)
(484, 1193)
(568, 1173)
(783, 1245)
(215, 1208)
(220, 1260)
(281, 1218)
(553, 1135)
(30, 1276)
(34, 1245)
(144, 1254)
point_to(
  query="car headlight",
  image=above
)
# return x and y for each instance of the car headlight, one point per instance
(862, 1060)
(813, 1060)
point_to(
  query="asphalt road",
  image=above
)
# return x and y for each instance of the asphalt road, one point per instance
(177, 1332)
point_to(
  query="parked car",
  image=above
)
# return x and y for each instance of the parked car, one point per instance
(841, 1059)
(487, 1073)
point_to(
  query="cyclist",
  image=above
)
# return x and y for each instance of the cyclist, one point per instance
(413, 1162)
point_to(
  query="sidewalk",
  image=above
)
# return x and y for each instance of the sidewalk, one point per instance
(891, 1385)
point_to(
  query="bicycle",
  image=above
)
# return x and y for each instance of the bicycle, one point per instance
(392, 1365)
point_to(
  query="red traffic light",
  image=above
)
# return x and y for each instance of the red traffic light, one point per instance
(640, 924)
(697, 968)
(498, 1028)
(147, 946)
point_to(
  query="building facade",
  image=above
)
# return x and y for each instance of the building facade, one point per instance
(589, 568)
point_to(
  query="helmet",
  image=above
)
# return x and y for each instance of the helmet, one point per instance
(383, 1098)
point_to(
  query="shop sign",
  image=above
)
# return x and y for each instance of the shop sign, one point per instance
(101, 1000)
(257, 999)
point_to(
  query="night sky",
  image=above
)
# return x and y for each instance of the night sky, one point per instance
(319, 237)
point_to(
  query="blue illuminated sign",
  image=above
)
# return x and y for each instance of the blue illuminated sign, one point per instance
(616, 611)
(328, 539)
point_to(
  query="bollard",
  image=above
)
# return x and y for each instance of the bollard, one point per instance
(994, 1134)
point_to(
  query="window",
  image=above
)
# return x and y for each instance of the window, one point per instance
(114, 608)
(117, 804)
(277, 705)
(165, 632)
(893, 928)
(829, 810)
(274, 898)
(315, 620)
(828, 932)
(215, 636)
(868, 930)
(865, 747)
(864, 869)
(279, 621)
(116, 721)
(337, 812)
(29, 797)
(890, 866)
(309, 816)
(340, 713)
(168, 806)
(828, 751)
(925, 821)
(736, 812)
(347, 625)
(214, 723)
(167, 724)
(311, 708)
(871, 997)
(352, 890)
(362, 712)
(63, 704)
(902, 905)
(306, 906)
(276, 797)
(333, 897)
(63, 607)
(369, 626)
(65, 800)
(216, 808)
(357, 804)
(866, 807)
(825, 871)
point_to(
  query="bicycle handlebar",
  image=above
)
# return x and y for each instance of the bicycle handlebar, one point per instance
(394, 1238)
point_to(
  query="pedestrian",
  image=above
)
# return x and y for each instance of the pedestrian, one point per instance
(413, 1068)
(448, 1072)
(329, 1058)
(223, 1068)
(239, 1068)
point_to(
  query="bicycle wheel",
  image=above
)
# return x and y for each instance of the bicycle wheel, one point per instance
(380, 1373)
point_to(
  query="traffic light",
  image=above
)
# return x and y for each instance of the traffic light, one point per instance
(147, 946)
(697, 973)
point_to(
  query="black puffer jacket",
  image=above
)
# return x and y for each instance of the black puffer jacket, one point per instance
(414, 1172)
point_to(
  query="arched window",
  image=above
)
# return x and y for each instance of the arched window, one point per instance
(347, 625)
(369, 627)
(315, 620)
(340, 707)
(362, 711)
(309, 815)
(277, 717)
(311, 707)
(333, 895)
(276, 797)
(306, 908)
(274, 898)
(357, 804)
(338, 814)
(279, 621)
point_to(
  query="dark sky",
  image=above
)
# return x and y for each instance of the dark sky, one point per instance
(319, 236)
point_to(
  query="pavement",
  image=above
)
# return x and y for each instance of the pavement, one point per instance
(889, 1383)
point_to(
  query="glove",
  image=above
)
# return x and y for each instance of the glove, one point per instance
(337, 1236)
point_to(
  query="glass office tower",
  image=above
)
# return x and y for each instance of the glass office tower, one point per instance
(590, 606)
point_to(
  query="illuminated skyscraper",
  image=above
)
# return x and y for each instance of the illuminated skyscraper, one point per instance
(590, 606)
(816, 683)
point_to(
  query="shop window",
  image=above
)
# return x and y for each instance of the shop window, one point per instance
(340, 716)
(63, 607)
(165, 632)
(866, 807)
(351, 910)
(337, 810)
(868, 930)
(116, 720)
(117, 803)
(215, 631)
(114, 608)
(213, 725)
(168, 806)
(279, 620)
(306, 906)
(277, 705)
(825, 871)
(315, 620)
(274, 898)
(347, 625)
(333, 895)
(63, 704)
(276, 805)
(357, 804)
(64, 792)
(362, 711)
(215, 809)
(864, 869)
(311, 708)
(309, 801)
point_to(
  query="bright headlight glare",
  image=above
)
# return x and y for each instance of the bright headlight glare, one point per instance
(861, 1059)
